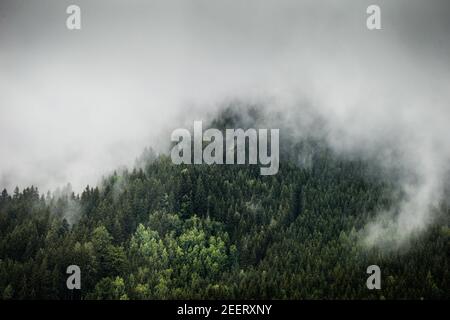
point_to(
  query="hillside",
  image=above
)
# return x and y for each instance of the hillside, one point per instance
(162, 231)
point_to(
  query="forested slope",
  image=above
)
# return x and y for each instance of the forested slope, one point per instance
(164, 231)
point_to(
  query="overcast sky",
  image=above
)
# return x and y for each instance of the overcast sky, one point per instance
(75, 105)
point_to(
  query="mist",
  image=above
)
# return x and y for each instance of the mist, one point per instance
(76, 105)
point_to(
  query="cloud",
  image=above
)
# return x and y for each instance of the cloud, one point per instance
(75, 105)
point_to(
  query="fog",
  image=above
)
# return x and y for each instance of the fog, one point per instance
(75, 105)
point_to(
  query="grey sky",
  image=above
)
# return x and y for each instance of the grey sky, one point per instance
(76, 104)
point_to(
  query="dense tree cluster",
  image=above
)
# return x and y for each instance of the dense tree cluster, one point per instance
(163, 231)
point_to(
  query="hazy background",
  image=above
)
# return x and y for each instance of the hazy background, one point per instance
(75, 105)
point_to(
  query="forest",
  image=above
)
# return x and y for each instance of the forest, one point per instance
(165, 231)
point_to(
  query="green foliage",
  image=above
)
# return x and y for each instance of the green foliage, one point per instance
(173, 232)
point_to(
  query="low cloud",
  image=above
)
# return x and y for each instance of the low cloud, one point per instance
(75, 105)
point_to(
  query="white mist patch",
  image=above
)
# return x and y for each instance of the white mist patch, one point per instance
(63, 203)
(392, 229)
(423, 198)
